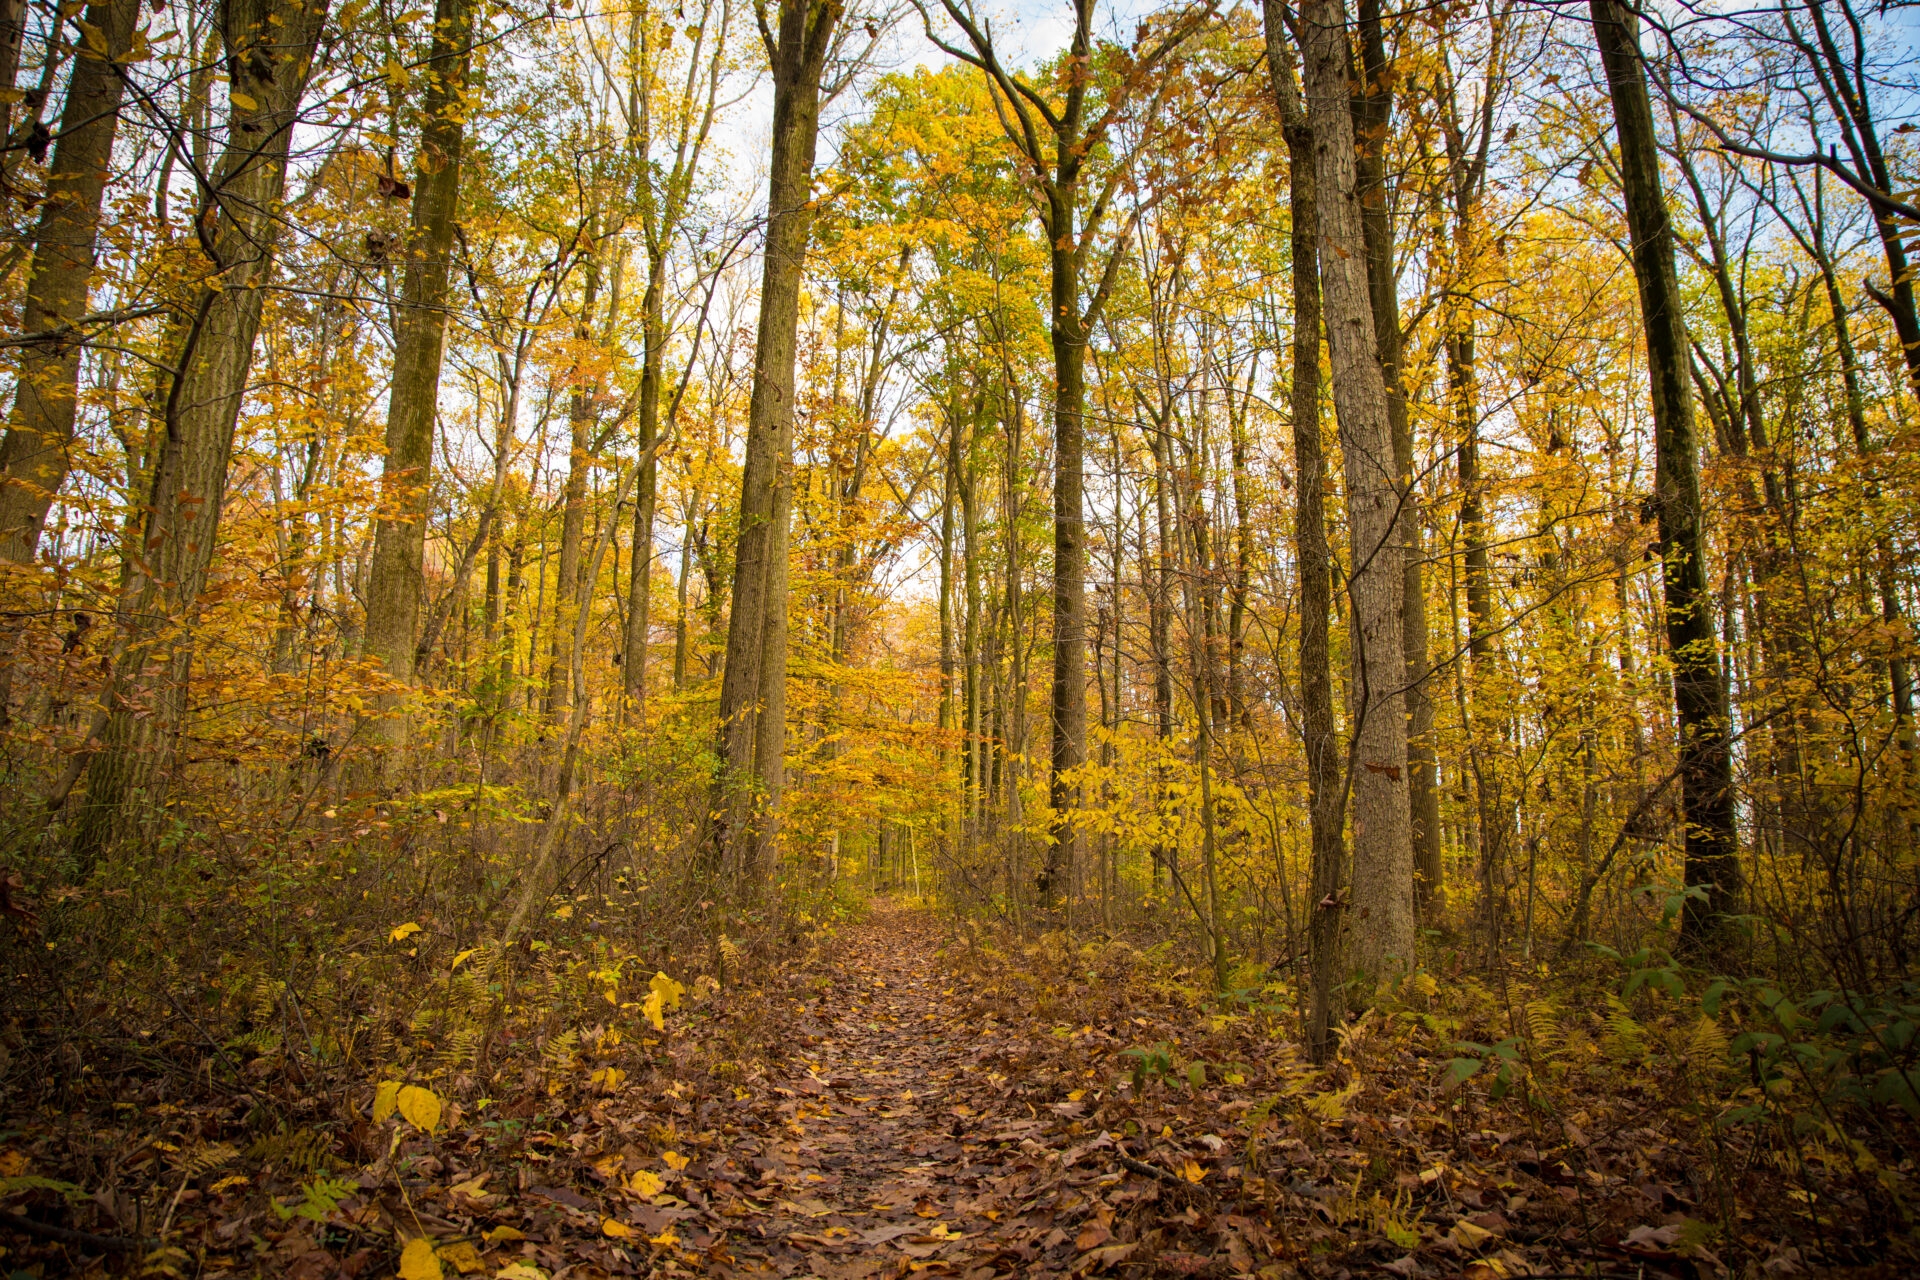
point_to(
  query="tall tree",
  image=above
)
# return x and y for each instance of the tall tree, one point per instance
(34, 456)
(396, 577)
(269, 47)
(1373, 126)
(1327, 872)
(1700, 699)
(1058, 131)
(1376, 586)
(797, 40)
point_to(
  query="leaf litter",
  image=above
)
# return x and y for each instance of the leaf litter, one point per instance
(904, 1097)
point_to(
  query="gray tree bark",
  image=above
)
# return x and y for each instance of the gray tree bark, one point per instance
(1383, 922)
(798, 52)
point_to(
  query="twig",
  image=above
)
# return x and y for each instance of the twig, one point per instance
(119, 1244)
(1150, 1170)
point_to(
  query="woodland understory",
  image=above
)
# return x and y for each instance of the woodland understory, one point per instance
(856, 639)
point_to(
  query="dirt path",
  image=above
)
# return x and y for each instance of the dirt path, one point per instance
(896, 1147)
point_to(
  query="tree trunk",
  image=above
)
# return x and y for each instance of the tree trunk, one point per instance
(798, 58)
(396, 582)
(1314, 558)
(270, 46)
(1700, 708)
(645, 496)
(34, 455)
(1377, 776)
(1373, 121)
(569, 592)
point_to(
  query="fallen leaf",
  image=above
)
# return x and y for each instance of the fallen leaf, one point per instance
(616, 1229)
(1468, 1236)
(418, 1262)
(464, 1257)
(401, 932)
(675, 1161)
(1092, 1236)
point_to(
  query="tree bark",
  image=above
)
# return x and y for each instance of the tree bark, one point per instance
(798, 56)
(1700, 707)
(1314, 559)
(569, 592)
(1373, 121)
(1383, 931)
(34, 456)
(645, 497)
(270, 46)
(395, 582)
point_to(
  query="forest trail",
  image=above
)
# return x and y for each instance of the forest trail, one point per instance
(885, 1160)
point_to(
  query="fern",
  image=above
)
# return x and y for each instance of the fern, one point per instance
(297, 1151)
(1626, 1039)
(561, 1050)
(1706, 1049)
(204, 1158)
(1543, 1026)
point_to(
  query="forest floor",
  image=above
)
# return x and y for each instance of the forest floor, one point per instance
(905, 1099)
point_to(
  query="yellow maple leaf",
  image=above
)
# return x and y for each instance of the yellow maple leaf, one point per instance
(675, 1161)
(645, 1182)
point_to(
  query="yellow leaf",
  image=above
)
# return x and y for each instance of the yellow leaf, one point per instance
(1191, 1170)
(1074, 1095)
(384, 1097)
(608, 1078)
(401, 932)
(419, 1107)
(666, 1239)
(464, 1257)
(563, 913)
(651, 1008)
(462, 958)
(246, 103)
(13, 1164)
(519, 1271)
(667, 989)
(1468, 1236)
(675, 1161)
(500, 1235)
(616, 1229)
(646, 1183)
(229, 1182)
(417, 1261)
